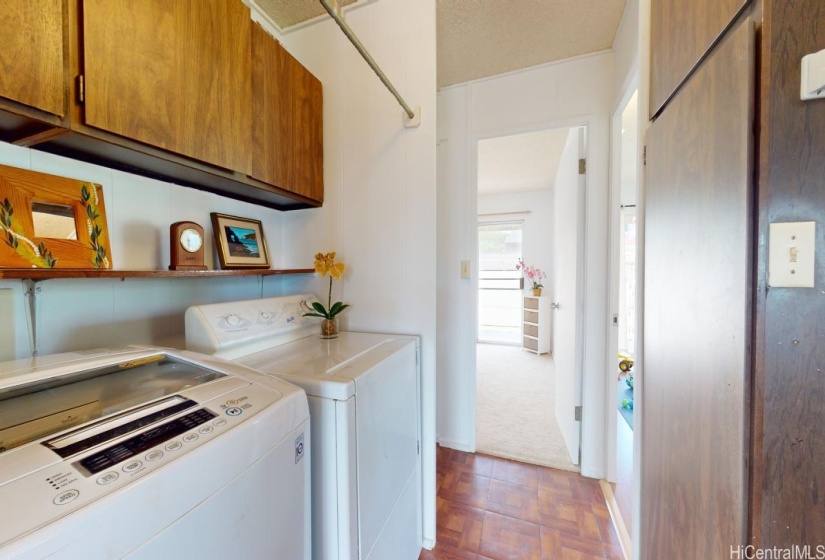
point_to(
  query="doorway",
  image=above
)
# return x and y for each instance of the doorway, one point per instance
(530, 211)
(623, 408)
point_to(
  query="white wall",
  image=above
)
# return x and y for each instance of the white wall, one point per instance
(573, 92)
(457, 241)
(379, 211)
(537, 226)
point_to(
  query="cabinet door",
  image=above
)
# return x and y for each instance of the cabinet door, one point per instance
(174, 74)
(681, 33)
(288, 126)
(31, 56)
(698, 277)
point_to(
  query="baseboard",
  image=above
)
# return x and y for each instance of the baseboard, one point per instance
(616, 516)
(428, 544)
(590, 472)
(458, 445)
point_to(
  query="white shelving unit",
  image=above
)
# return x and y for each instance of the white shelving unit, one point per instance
(536, 330)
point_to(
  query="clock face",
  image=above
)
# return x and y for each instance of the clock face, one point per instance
(191, 240)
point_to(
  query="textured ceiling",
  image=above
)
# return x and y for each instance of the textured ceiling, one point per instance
(522, 162)
(481, 38)
(287, 13)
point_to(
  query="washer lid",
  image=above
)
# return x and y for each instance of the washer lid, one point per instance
(330, 369)
(35, 409)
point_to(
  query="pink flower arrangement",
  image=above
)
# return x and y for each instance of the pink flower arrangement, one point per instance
(532, 273)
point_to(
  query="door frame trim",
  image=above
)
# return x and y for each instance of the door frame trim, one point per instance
(587, 123)
(614, 244)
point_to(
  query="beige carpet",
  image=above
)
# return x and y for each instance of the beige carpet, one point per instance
(515, 407)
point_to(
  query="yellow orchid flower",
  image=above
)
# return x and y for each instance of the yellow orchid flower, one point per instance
(325, 263)
(321, 266)
(337, 270)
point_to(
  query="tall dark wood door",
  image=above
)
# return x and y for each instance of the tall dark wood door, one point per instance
(173, 74)
(287, 133)
(31, 53)
(681, 33)
(698, 245)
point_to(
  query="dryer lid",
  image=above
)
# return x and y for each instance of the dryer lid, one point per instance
(332, 368)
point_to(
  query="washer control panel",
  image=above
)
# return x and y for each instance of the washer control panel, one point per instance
(73, 482)
(138, 444)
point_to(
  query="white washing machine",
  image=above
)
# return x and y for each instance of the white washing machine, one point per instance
(154, 454)
(364, 401)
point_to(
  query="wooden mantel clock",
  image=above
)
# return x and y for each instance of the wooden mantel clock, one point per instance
(186, 243)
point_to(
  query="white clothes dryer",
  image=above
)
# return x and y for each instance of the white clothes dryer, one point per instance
(149, 453)
(364, 400)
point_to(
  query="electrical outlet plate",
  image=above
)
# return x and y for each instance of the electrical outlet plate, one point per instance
(791, 255)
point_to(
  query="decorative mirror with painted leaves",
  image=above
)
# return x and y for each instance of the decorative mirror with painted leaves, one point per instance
(48, 221)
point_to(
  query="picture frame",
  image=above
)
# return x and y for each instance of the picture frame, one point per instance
(47, 221)
(240, 242)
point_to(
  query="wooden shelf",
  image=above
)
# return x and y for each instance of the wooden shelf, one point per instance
(51, 273)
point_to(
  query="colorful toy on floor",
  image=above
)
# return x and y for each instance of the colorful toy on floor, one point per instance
(625, 362)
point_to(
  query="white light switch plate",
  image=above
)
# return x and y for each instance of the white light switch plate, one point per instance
(791, 255)
(7, 325)
(813, 76)
(465, 269)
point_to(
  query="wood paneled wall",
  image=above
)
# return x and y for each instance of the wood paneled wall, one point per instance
(681, 34)
(698, 262)
(788, 492)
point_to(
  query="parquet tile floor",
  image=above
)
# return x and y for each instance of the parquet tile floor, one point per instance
(497, 509)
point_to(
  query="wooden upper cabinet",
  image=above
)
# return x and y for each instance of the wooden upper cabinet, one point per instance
(681, 34)
(174, 74)
(31, 54)
(287, 130)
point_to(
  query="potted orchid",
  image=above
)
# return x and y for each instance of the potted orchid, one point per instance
(325, 264)
(534, 275)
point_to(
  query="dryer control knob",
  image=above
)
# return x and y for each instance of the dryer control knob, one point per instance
(233, 320)
(266, 315)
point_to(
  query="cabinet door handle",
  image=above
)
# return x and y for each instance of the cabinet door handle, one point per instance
(554, 305)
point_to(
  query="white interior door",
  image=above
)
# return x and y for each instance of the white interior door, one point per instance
(567, 326)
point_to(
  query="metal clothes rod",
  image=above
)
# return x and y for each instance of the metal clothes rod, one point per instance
(360, 48)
